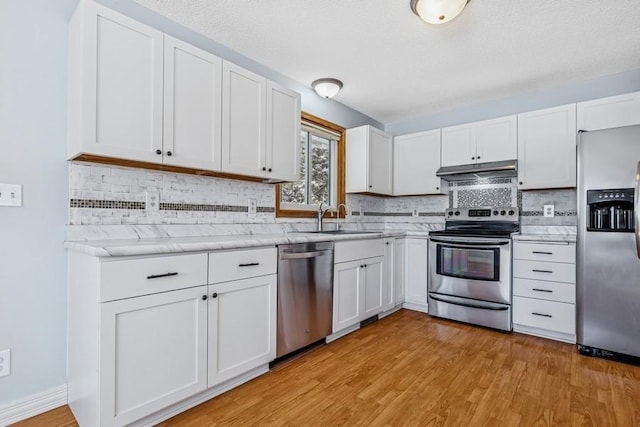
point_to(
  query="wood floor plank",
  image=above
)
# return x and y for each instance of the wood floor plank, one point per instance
(414, 370)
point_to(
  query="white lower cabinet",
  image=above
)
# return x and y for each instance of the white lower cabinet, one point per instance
(399, 254)
(242, 326)
(146, 333)
(358, 278)
(416, 273)
(390, 283)
(153, 353)
(544, 290)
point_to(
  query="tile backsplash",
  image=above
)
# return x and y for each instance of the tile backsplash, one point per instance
(113, 195)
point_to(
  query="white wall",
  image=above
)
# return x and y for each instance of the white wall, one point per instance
(32, 138)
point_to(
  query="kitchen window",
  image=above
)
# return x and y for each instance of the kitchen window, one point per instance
(321, 171)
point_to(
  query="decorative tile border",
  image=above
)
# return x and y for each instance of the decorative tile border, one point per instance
(106, 204)
(430, 213)
(480, 181)
(556, 213)
(201, 207)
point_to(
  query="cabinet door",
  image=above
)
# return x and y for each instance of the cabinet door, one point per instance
(388, 283)
(496, 139)
(372, 297)
(243, 121)
(416, 158)
(611, 112)
(416, 279)
(347, 291)
(192, 106)
(283, 133)
(458, 145)
(242, 326)
(399, 270)
(547, 148)
(122, 86)
(380, 162)
(153, 352)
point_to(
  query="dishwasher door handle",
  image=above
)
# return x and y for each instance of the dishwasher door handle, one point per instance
(299, 255)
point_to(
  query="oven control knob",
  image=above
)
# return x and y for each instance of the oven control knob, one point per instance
(511, 212)
(503, 213)
(495, 212)
(450, 213)
(457, 213)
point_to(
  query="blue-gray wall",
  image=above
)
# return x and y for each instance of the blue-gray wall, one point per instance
(576, 92)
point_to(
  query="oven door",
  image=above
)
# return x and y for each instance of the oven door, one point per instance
(470, 267)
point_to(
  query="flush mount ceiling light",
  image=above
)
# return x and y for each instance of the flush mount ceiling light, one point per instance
(437, 11)
(327, 88)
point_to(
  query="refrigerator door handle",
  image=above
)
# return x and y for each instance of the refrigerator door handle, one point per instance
(636, 209)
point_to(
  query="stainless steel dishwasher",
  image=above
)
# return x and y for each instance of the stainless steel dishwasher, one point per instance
(305, 295)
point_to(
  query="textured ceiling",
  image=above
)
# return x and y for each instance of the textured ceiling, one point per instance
(396, 67)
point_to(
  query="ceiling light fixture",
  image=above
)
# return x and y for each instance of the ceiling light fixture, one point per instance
(437, 11)
(327, 88)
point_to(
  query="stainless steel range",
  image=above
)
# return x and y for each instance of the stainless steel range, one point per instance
(470, 266)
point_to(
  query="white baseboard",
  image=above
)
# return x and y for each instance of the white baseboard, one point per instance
(33, 405)
(416, 307)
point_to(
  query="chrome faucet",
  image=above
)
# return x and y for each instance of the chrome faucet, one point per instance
(338, 215)
(321, 213)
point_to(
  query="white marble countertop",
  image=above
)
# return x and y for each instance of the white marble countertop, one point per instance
(167, 245)
(571, 238)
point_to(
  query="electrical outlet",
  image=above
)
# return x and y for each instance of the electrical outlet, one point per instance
(252, 206)
(360, 211)
(5, 362)
(10, 195)
(415, 212)
(548, 211)
(152, 199)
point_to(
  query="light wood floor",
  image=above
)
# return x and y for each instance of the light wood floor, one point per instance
(412, 369)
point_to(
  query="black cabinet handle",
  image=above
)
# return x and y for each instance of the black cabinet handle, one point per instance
(264, 169)
(269, 169)
(169, 153)
(249, 264)
(473, 158)
(437, 188)
(214, 295)
(204, 297)
(521, 183)
(157, 276)
(541, 271)
(158, 152)
(542, 290)
(478, 157)
(542, 315)
(542, 252)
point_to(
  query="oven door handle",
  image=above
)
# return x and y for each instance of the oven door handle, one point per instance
(463, 304)
(472, 243)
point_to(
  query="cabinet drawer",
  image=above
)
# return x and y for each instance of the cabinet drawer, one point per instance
(142, 276)
(549, 271)
(358, 249)
(553, 291)
(551, 315)
(241, 264)
(558, 252)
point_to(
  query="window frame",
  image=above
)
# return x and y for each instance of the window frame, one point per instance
(340, 173)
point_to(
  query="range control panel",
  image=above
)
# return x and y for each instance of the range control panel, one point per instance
(510, 213)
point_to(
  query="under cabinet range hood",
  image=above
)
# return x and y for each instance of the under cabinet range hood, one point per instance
(502, 169)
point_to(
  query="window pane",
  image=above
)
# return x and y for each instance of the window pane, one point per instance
(296, 192)
(320, 170)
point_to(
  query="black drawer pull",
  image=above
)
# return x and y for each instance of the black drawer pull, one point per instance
(542, 252)
(157, 276)
(541, 271)
(541, 290)
(542, 314)
(249, 264)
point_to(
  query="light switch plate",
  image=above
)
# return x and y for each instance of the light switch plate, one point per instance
(10, 195)
(548, 211)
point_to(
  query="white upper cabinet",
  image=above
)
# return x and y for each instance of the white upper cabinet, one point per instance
(369, 161)
(260, 126)
(115, 85)
(611, 112)
(192, 106)
(135, 93)
(283, 133)
(480, 142)
(547, 148)
(243, 121)
(416, 158)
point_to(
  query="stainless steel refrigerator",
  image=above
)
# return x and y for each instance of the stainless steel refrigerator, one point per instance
(608, 263)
